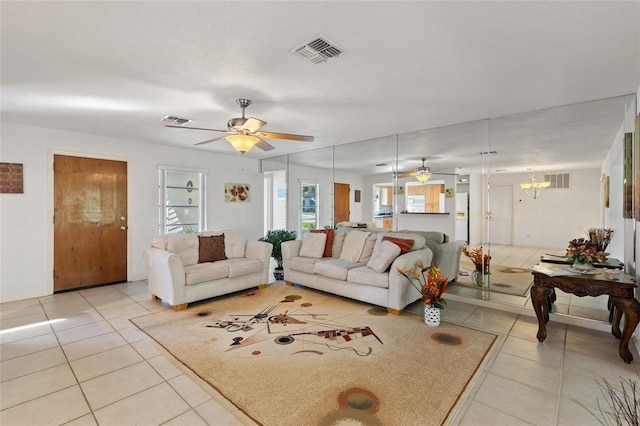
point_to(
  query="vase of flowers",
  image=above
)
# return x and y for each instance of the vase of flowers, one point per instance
(601, 237)
(480, 274)
(431, 284)
(584, 253)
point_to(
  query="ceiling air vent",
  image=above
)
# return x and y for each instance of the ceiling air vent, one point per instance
(317, 50)
(175, 120)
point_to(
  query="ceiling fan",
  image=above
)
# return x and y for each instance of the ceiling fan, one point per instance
(244, 132)
(423, 173)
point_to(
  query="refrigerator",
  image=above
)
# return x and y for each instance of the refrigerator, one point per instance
(462, 216)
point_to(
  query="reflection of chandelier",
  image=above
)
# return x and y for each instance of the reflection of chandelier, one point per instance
(422, 173)
(242, 143)
(533, 188)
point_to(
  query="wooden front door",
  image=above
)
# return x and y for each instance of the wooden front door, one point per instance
(90, 222)
(341, 212)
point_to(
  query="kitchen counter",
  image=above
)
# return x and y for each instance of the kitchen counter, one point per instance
(423, 213)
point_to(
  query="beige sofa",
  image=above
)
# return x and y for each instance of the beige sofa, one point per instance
(363, 277)
(178, 273)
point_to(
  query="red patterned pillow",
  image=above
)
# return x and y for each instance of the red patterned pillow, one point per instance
(405, 245)
(211, 248)
(328, 244)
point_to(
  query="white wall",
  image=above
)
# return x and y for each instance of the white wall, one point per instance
(558, 215)
(26, 247)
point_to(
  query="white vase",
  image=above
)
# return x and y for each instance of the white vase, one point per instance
(431, 316)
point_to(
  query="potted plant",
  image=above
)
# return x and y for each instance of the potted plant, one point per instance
(431, 284)
(276, 237)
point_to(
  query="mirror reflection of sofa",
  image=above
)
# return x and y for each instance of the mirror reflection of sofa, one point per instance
(360, 263)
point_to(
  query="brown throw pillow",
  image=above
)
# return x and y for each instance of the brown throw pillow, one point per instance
(405, 245)
(211, 248)
(329, 243)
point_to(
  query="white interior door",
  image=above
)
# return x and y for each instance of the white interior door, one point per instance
(500, 214)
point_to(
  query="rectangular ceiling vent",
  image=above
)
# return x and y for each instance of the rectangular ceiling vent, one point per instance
(317, 50)
(175, 120)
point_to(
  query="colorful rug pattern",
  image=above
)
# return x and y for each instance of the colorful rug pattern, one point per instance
(290, 356)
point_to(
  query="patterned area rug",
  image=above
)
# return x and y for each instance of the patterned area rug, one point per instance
(290, 356)
(503, 279)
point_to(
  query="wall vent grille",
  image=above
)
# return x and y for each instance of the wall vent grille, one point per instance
(317, 50)
(559, 180)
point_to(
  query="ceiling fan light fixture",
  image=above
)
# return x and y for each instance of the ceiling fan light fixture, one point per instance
(423, 174)
(242, 143)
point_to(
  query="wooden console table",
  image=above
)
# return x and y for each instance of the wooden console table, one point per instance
(620, 291)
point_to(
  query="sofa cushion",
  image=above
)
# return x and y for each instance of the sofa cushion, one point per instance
(185, 246)
(242, 267)
(335, 268)
(338, 242)
(418, 240)
(313, 245)
(367, 249)
(367, 276)
(404, 244)
(328, 243)
(384, 255)
(211, 249)
(303, 264)
(234, 242)
(202, 272)
(353, 245)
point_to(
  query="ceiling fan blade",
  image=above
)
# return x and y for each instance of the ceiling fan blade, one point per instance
(288, 136)
(264, 145)
(196, 128)
(447, 174)
(210, 140)
(253, 124)
(405, 174)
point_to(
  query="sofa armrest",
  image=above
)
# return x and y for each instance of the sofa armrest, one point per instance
(165, 273)
(447, 256)
(399, 286)
(290, 249)
(260, 250)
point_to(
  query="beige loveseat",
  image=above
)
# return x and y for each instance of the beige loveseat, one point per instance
(367, 273)
(180, 269)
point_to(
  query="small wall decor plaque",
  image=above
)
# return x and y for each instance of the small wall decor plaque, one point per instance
(11, 179)
(237, 192)
(357, 196)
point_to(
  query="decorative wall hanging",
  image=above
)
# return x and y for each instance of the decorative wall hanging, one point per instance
(237, 192)
(627, 194)
(11, 178)
(605, 191)
(357, 195)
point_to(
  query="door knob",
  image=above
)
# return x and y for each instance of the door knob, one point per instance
(123, 228)
(123, 218)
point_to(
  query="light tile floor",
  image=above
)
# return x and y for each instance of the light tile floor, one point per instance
(75, 359)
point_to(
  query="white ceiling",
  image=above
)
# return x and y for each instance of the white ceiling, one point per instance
(116, 68)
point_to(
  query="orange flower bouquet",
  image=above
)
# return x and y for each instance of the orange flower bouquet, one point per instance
(480, 261)
(428, 281)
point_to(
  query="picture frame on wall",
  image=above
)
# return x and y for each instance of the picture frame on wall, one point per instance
(237, 192)
(627, 194)
(606, 191)
(636, 170)
(11, 178)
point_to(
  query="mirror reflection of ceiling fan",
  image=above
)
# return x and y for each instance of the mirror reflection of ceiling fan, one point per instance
(423, 173)
(244, 133)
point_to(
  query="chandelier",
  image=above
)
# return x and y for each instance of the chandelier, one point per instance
(533, 188)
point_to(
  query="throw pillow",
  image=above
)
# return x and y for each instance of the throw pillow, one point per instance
(405, 245)
(329, 243)
(367, 249)
(313, 245)
(211, 249)
(353, 245)
(384, 256)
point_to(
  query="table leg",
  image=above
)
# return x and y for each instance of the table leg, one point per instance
(539, 297)
(631, 309)
(616, 314)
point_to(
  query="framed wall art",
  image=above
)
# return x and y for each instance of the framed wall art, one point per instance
(237, 192)
(11, 178)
